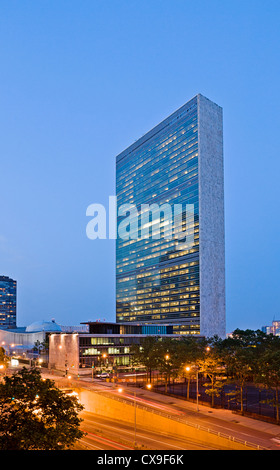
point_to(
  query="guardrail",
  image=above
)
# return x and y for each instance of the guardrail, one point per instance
(252, 445)
(194, 425)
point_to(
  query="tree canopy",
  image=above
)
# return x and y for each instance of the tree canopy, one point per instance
(36, 415)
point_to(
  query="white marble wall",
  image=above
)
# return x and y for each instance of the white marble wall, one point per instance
(64, 348)
(211, 218)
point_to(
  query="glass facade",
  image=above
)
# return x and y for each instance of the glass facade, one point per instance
(156, 281)
(128, 329)
(8, 301)
(106, 351)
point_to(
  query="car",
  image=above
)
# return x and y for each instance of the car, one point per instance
(103, 375)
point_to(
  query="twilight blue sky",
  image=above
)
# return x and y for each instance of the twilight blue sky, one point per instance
(82, 80)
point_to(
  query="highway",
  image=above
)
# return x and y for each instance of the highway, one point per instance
(109, 434)
(255, 432)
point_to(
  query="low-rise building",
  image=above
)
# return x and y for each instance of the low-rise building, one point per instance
(106, 346)
(21, 340)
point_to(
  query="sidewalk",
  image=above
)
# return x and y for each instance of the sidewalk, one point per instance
(222, 414)
(231, 422)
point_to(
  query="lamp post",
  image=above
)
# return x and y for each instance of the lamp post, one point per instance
(166, 357)
(134, 419)
(188, 387)
(120, 391)
(197, 394)
(105, 360)
(188, 368)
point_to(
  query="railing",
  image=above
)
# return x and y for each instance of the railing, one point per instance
(194, 425)
(170, 416)
(254, 399)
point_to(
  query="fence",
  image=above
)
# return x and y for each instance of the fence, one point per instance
(255, 400)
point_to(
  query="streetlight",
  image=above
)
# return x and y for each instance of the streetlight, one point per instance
(188, 368)
(40, 360)
(167, 357)
(105, 361)
(104, 355)
(197, 394)
(3, 369)
(120, 391)
(188, 387)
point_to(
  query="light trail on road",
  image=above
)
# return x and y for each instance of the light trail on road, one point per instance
(106, 442)
(147, 439)
(153, 404)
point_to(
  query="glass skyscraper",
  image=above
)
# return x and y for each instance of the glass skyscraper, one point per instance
(179, 162)
(8, 301)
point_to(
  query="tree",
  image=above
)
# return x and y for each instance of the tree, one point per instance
(238, 354)
(177, 354)
(36, 415)
(213, 367)
(190, 350)
(169, 359)
(268, 370)
(146, 354)
(3, 358)
(40, 346)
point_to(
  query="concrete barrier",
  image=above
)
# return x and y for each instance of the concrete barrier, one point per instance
(118, 409)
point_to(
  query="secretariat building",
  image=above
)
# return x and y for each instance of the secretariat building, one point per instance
(179, 163)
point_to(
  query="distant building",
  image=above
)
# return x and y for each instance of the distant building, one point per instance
(266, 330)
(8, 302)
(274, 329)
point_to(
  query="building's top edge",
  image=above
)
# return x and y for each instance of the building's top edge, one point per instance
(180, 111)
(119, 335)
(210, 101)
(125, 323)
(6, 278)
(7, 329)
(157, 128)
